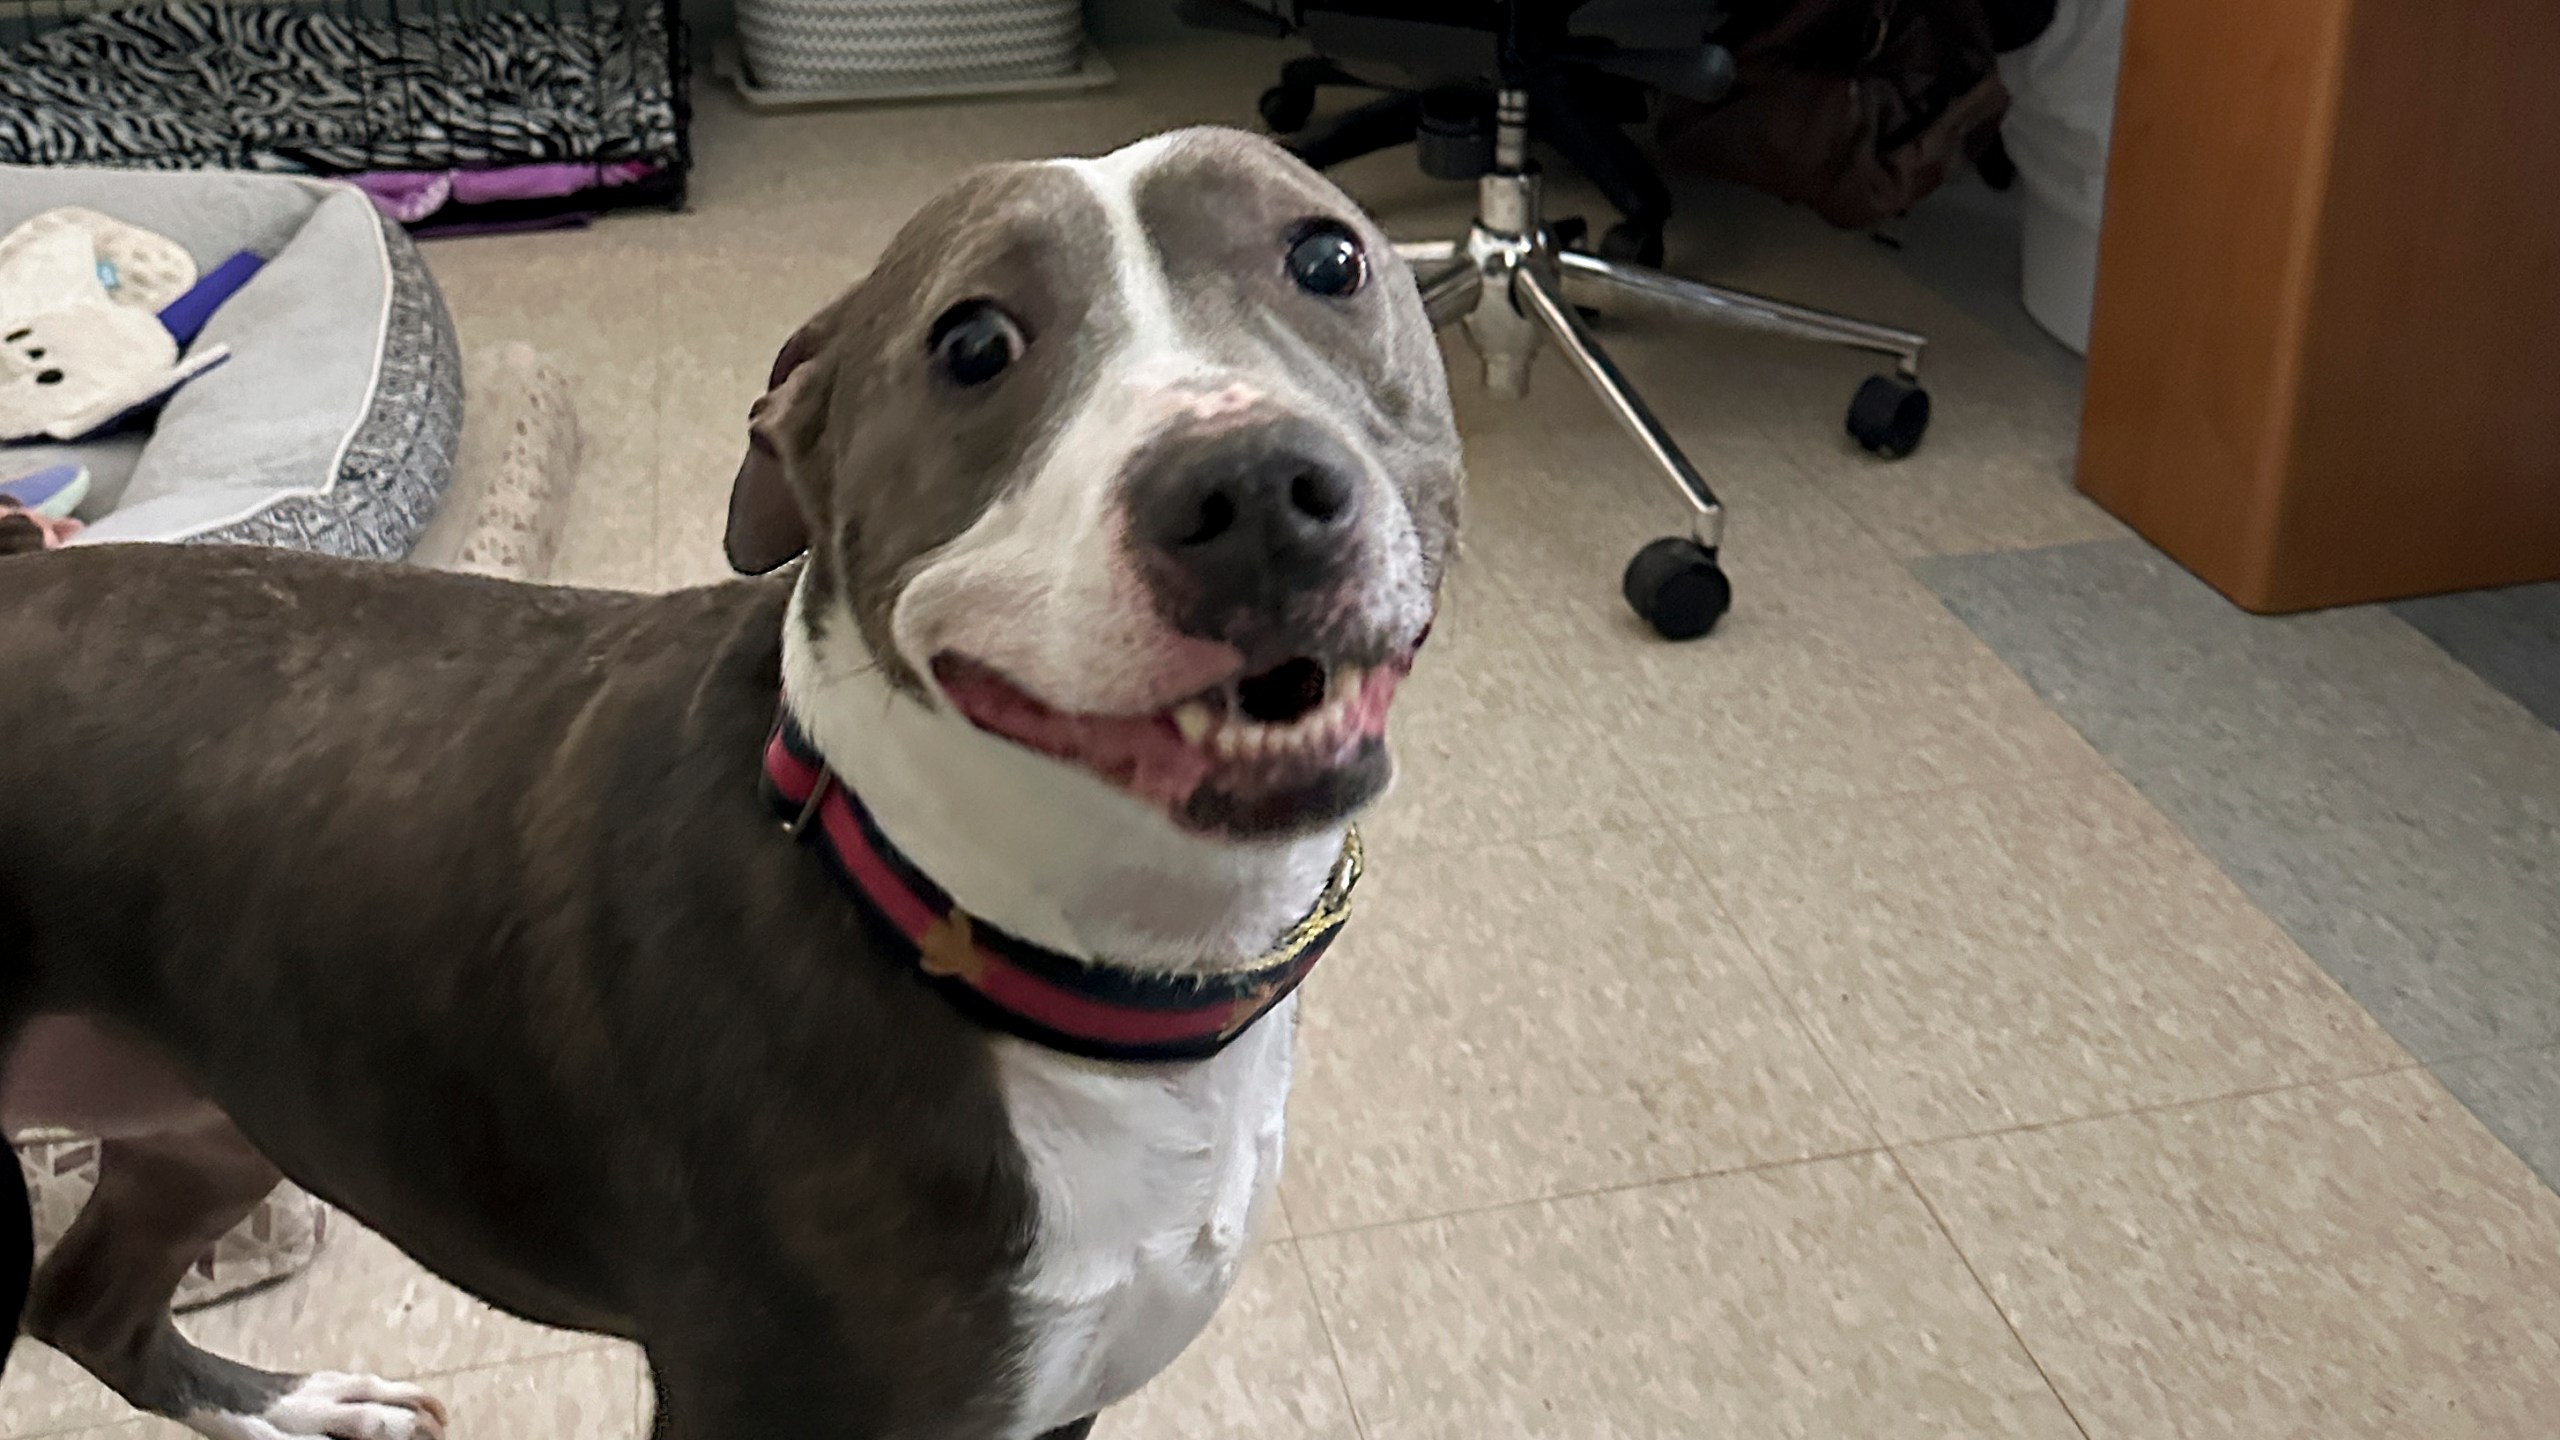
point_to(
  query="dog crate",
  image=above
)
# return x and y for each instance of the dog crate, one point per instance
(519, 110)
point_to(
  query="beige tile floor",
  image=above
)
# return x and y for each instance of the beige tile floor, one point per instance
(1802, 1033)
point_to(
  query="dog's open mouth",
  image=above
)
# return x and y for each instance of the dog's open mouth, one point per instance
(1283, 748)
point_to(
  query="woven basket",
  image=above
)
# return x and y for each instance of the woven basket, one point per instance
(839, 44)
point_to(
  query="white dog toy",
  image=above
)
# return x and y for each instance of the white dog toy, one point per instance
(81, 345)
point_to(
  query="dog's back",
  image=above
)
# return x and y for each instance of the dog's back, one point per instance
(511, 836)
(218, 752)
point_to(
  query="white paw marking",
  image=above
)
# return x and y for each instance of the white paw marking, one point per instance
(333, 1406)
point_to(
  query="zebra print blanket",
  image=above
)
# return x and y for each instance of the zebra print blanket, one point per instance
(188, 84)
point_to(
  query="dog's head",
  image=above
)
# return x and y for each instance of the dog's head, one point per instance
(1144, 463)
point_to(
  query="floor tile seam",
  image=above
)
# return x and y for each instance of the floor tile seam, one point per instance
(1589, 1192)
(2058, 780)
(1894, 1146)
(1895, 543)
(2340, 968)
(1911, 559)
(1905, 1146)
(1332, 1340)
(2529, 713)
(2495, 1052)
(1911, 1185)
(2018, 780)
(587, 1344)
(2307, 945)
(2061, 784)
(2094, 763)
(1868, 1113)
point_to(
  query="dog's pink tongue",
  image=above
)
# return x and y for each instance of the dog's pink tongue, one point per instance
(1146, 756)
(1142, 753)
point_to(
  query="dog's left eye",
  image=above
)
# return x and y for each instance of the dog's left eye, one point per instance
(974, 342)
(1325, 259)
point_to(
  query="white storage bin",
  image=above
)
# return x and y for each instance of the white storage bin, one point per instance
(2061, 117)
(827, 45)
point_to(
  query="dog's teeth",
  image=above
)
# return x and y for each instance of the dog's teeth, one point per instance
(1241, 740)
(1193, 719)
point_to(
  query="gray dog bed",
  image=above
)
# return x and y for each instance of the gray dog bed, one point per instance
(331, 428)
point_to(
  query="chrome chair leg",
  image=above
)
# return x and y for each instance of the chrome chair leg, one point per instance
(1595, 282)
(1451, 292)
(1542, 299)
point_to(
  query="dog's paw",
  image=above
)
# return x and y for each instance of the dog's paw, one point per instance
(332, 1406)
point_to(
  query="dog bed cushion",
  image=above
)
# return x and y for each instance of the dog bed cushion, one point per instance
(332, 426)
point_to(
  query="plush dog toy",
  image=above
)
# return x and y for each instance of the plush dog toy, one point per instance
(81, 344)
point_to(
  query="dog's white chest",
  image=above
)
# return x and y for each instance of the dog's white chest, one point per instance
(1149, 1184)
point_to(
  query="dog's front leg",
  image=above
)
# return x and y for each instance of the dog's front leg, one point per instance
(102, 1298)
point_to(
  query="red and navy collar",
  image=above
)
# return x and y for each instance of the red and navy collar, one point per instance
(1085, 1007)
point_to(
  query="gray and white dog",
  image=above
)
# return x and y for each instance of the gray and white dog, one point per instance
(1125, 487)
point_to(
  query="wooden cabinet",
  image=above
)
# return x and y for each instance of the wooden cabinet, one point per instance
(2325, 361)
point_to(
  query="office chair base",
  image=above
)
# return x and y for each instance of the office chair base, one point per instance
(1517, 291)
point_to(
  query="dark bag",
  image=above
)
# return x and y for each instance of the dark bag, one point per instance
(1856, 108)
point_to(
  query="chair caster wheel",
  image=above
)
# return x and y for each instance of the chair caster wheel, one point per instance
(1676, 585)
(1889, 416)
(1631, 246)
(1286, 109)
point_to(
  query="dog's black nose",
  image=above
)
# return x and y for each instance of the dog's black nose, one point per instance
(1237, 523)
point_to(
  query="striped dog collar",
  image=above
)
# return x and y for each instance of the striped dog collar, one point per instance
(1084, 1007)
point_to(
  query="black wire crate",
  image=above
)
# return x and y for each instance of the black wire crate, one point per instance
(449, 111)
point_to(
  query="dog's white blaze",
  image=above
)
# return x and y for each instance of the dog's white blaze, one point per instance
(1147, 295)
(1074, 625)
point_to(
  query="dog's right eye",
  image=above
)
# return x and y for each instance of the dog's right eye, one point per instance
(973, 342)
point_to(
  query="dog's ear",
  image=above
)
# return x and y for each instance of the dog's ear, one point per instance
(768, 517)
